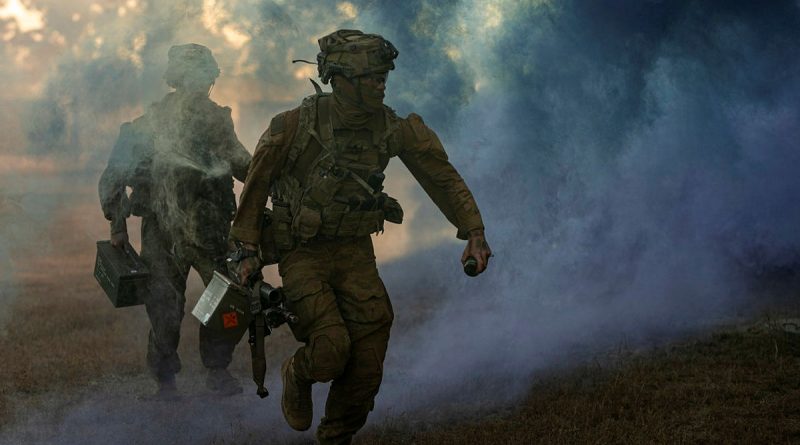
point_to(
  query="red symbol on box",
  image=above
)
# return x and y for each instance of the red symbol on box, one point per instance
(230, 320)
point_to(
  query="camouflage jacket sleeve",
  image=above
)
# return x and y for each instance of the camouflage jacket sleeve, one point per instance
(113, 199)
(268, 159)
(424, 155)
(237, 155)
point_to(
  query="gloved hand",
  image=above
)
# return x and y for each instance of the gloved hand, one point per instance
(119, 239)
(477, 248)
(243, 262)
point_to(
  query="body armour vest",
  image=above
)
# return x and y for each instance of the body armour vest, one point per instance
(336, 190)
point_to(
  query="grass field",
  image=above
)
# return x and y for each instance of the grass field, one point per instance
(738, 385)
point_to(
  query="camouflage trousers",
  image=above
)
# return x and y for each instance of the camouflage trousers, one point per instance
(165, 301)
(345, 317)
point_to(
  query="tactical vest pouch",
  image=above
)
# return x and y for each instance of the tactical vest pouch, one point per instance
(282, 226)
(359, 223)
(371, 222)
(306, 224)
(324, 189)
(323, 180)
(348, 225)
(392, 211)
(331, 218)
(267, 247)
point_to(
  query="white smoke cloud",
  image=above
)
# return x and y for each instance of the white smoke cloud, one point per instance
(634, 165)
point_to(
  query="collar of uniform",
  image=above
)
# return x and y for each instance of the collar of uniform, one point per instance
(349, 114)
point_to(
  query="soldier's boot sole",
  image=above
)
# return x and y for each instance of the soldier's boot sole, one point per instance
(296, 403)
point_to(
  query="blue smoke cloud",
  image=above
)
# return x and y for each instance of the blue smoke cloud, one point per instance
(635, 163)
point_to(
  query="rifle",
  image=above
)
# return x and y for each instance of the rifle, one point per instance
(231, 309)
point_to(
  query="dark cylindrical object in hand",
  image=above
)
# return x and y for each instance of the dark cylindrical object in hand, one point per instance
(471, 267)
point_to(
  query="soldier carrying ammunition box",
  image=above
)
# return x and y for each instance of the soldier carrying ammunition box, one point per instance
(322, 163)
(178, 159)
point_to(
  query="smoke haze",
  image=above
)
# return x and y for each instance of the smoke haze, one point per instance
(634, 161)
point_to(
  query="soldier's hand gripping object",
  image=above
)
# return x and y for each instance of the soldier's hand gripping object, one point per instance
(119, 239)
(229, 307)
(475, 258)
(243, 263)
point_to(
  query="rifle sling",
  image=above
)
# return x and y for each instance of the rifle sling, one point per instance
(258, 330)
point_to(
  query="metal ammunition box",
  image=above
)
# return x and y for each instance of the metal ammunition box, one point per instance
(121, 273)
(224, 307)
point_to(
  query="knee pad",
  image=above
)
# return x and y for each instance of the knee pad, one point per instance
(329, 352)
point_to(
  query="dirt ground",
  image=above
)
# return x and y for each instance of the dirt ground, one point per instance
(73, 372)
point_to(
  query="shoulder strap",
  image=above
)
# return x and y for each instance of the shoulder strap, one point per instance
(388, 143)
(326, 125)
(323, 112)
(327, 155)
(307, 120)
(316, 109)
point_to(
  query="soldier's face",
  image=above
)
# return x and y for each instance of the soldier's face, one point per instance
(373, 88)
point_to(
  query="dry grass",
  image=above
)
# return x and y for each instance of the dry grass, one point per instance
(61, 333)
(737, 386)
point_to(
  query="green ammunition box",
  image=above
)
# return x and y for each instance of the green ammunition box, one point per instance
(224, 307)
(121, 273)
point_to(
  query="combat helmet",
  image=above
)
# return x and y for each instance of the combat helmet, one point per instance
(192, 60)
(351, 53)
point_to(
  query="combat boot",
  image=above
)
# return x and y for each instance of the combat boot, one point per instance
(167, 390)
(296, 404)
(221, 382)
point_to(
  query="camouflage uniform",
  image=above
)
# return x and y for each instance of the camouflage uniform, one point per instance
(178, 159)
(321, 174)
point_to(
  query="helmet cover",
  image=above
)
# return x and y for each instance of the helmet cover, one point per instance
(351, 53)
(190, 59)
